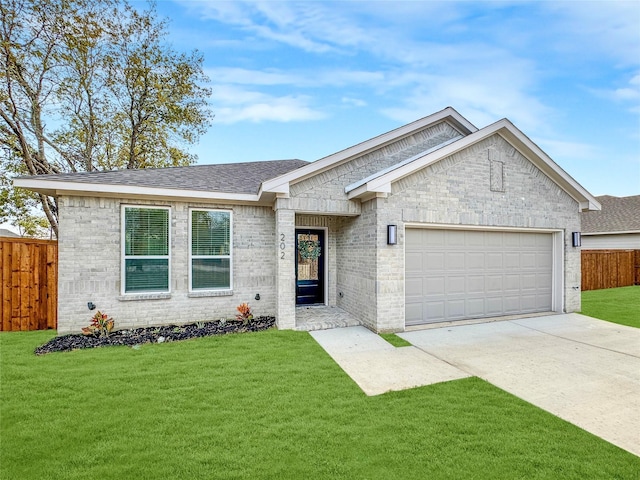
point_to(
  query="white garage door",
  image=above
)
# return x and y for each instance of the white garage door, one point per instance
(461, 274)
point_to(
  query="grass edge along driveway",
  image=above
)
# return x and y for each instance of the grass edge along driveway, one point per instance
(267, 405)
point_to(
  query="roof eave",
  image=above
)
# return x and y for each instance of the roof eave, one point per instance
(56, 188)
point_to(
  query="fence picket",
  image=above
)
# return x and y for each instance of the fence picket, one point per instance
(610, 268)
(28, 284)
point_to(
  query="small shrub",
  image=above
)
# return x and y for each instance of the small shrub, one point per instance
(101, 325)
(245, 313)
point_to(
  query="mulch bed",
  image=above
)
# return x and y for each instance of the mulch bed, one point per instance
(170, 333)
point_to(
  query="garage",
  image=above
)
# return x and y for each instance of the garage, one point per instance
(454, 274)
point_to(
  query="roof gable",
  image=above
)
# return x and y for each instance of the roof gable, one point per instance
(380, 183)
(451, 116)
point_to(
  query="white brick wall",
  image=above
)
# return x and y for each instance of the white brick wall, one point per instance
(456, 191)
(90, 264)
(365, 275)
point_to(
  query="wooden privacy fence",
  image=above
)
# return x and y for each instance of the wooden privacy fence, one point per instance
(29, 288)
(610, 268)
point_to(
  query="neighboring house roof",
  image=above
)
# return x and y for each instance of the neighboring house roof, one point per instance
(618, 215)
(7, 233)
(261, 182)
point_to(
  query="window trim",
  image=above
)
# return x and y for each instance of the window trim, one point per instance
(124, 257)
(192, 257)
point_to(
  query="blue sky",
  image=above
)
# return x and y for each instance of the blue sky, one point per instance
(306, 79)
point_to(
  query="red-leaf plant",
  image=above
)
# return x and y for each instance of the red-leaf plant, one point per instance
(101, 324)
(245, 313)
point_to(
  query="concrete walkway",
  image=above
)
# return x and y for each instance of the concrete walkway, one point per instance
(583, 370)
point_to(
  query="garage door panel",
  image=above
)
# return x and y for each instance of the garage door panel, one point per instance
(455, 309)
(435, 310)
(414, 287)
(494, 283)
(474, 239)
(528, 281)
(475, 260)
(414, 262)
(434, 286)
(455, 285)
(476, 284)
(457, 274)
(434, 260)
(511, 305)
(495, 260)
(413, 313)
(511, 260)
(455, 261)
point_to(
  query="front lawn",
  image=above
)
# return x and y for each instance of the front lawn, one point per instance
(266, 405)
(618, 305)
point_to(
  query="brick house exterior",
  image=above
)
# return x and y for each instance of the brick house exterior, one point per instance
(492, 188)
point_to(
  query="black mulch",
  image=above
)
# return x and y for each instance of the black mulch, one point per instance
(171, 333)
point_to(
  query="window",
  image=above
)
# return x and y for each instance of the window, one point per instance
(145, 249)
(211, 250)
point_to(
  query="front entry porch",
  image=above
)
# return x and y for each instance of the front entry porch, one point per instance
(322, 317)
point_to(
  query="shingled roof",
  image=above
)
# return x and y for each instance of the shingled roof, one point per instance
(226, 178)
(618, 214)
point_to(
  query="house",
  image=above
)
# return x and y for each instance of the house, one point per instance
(434, 221)
(5, 232)
(615, 227)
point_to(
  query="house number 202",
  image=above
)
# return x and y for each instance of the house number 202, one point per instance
(283, 245)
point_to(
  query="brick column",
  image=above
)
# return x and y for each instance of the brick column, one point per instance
(285, 266)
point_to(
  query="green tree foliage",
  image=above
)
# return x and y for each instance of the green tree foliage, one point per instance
(91, 85)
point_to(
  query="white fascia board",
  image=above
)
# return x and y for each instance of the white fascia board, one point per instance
(456, 120)
(357, 184)
(625, 232)
(541, 160)
(57, 188)
(512, 135)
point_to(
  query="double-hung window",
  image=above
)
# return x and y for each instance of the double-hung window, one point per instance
(145, 249)
(211, 250)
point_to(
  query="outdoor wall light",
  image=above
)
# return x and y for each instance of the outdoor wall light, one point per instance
(576, 239)
(91, 305)
(257, 297)
(392, 234)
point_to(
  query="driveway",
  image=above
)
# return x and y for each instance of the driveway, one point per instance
(583, 370)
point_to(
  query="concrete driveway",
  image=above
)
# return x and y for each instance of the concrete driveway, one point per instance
(583, 370)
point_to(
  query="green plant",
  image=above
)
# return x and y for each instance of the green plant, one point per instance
(101, 325)
(309, 249)
(244, 313)
(200, 324)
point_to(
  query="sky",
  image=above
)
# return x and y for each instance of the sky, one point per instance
(307, 79)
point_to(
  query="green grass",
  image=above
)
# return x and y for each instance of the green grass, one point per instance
(395, 340)
(267, 405)
(618, 305)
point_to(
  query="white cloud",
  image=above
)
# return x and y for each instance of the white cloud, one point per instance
(232, 104)
(356, 102)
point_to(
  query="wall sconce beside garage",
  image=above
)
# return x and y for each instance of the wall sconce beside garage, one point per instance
(392, 234)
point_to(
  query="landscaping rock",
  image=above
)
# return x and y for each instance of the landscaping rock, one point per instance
(170, 333)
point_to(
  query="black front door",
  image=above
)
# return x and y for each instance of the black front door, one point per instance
(309, 266)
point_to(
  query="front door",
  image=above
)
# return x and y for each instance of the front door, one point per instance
(309, 266)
